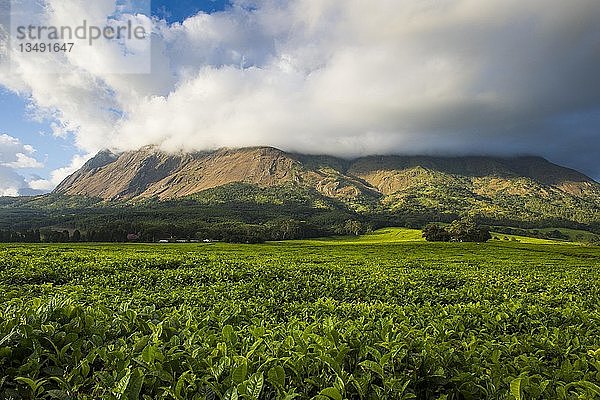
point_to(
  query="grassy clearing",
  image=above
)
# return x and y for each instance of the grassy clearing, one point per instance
(573, 234)
(386, 235)
(526, 239)
(402, 235)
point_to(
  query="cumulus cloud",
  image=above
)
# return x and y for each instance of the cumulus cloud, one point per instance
(11, 183)
(24, 161)
(341, 77)
(56, 176)
(15, 155)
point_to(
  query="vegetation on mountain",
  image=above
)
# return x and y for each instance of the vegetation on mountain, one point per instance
(258, 194)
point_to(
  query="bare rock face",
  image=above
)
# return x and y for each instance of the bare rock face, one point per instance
(149, 172)
(125, 176)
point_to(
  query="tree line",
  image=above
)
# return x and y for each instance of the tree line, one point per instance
(148, 232)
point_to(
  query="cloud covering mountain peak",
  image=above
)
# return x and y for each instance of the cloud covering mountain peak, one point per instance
(345, 78)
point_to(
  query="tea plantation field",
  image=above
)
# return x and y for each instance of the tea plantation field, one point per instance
(354, 319)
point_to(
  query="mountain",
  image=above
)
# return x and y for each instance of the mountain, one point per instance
(525, 189)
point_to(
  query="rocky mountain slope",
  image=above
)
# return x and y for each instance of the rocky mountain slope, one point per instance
(523, 188)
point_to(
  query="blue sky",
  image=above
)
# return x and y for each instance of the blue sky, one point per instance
(174, 11)
(18, 121)
(411, 77)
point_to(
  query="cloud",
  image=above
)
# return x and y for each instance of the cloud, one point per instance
(15, 155)
(58, 175)
(11, 183)
(344, 78)
(24, 161)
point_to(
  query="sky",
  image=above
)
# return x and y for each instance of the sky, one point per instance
(345, 78)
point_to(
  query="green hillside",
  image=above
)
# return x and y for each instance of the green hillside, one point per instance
(258, 194)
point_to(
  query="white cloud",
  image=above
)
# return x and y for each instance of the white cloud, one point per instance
(15, 155)
(58, 175)
(338, 77)
(24, 161)
(11, 183)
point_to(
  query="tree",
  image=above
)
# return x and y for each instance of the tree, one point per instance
(556, 234)
(436, 233)
(292, 229)
(467, 230)
(353, 227)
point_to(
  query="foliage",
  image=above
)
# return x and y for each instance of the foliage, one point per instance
(436, 233)
(460, 230)
(426, 195)
(303, 320)
(467, 230)
(237, 213)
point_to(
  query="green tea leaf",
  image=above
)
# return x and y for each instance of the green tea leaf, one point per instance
(515, 388)
(332, 393)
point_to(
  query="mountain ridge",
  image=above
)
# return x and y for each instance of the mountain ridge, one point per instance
(149, 172)
(521, 188)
